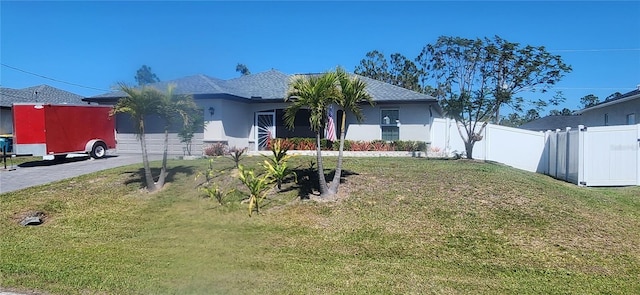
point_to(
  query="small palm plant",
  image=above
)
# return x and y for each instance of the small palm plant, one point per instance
(278, 171)
(279, 148)
(209, 174)
(257, 185)
(215, 192)
(276, 166)
(212, 189)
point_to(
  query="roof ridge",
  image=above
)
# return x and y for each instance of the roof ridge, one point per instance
(210, 82)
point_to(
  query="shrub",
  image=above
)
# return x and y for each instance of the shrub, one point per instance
(276, 166)
(360, 146)
(236, 154)
(285, 144)
(380, 146)
(328, 145)
(306, 144)
(257, 186)
(279, 148)
(217, 149)
(410, 145)
(347, 145)
(214, 192)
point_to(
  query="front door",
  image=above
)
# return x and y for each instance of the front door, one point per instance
(265, 129)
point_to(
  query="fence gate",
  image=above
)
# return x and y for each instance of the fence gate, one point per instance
(611, 155)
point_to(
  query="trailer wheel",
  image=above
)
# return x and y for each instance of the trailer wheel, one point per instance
(98, 150)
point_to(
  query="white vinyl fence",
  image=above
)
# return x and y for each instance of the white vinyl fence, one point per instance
(587, 156)
(519, 148)
(596, 156)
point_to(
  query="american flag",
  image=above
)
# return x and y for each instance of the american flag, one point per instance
(330, 128)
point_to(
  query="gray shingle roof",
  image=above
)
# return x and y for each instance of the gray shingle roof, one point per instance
(631, 95)
(553, 123)
(267, 85)
(381, 91)
(40, 93)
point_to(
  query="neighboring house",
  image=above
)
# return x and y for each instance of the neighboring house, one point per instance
(39, 94)
(622, 110)
(552, 123)
(245, 111)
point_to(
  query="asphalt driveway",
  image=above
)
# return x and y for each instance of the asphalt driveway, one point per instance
(42, 172)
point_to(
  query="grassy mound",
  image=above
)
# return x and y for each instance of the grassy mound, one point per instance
(400, 226)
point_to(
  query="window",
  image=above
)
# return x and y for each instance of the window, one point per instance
(389, 117)
(389, 122)
(606, 119)
(631, 119)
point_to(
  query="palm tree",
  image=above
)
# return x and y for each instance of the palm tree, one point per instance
(315, 93)
(138, 104)
(353, 94)
(172, 108)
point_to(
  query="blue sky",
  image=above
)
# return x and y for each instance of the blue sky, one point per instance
(97, 44)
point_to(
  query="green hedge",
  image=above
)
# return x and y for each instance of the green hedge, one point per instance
(298, 143)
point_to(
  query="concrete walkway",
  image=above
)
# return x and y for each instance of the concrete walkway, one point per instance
(41, 172)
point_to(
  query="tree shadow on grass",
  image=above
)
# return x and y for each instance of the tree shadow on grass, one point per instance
(308, 180)
(138, 176)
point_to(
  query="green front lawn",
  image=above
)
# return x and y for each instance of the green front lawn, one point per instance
(401, 226)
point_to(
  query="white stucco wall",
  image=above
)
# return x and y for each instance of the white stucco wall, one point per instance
(617, 113)
(129, 143)
(233, 122)
(414, 122)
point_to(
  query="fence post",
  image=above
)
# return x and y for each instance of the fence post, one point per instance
(485, 137)
(446, 137)
(566, 155)
(582, 132)
(638, 157)
(546, 152)
(557, 133)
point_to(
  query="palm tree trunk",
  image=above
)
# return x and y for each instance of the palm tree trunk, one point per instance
(335, 183)
(151, 186)
(324, 189)
(163, 170)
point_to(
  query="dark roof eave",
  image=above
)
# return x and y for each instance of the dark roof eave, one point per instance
(102, 99)
(405, 101)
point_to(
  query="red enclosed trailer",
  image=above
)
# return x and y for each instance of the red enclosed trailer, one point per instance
(57, 130)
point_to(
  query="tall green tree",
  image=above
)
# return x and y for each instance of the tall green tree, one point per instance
(242, 69)
(353, 95)
(314, 93)
(140, 103)
(374, 66)
(144, 76)
(563, 112)
(398, 70)
(613, 96)
(515, 119)
(588, 101)
(476, 77)
(515, 68)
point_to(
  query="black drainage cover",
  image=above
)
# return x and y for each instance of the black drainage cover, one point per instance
(33, 219)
